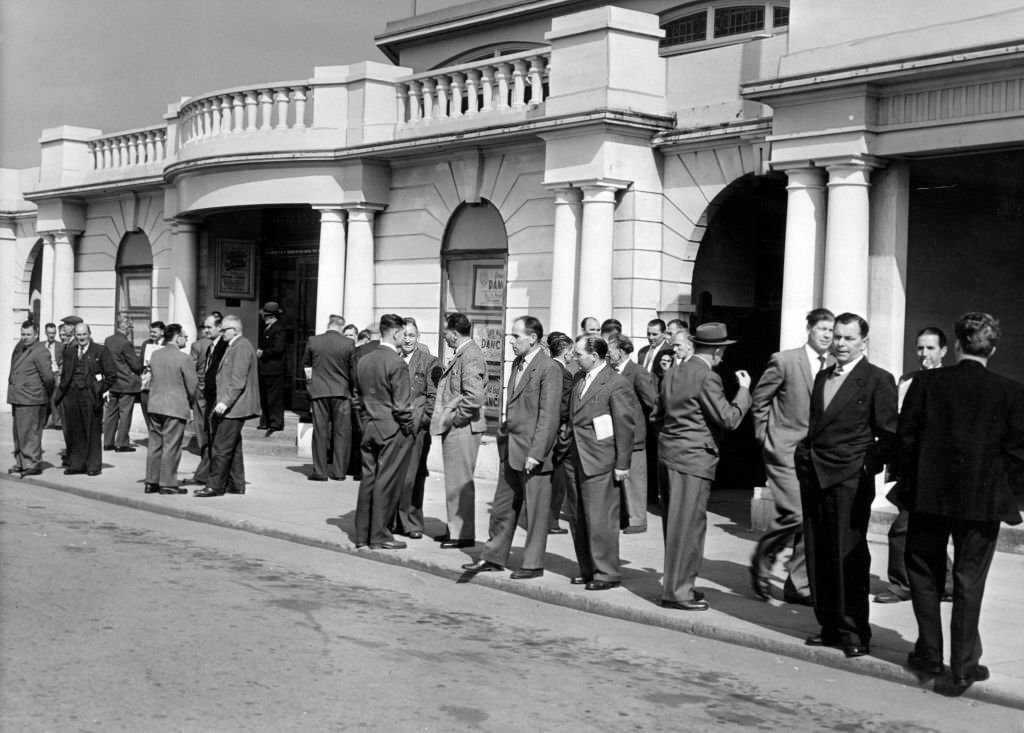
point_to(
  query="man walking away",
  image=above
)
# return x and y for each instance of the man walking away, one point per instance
(171, 388)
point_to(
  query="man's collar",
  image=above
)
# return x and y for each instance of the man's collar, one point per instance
(393, 347)
(235, 338)
(704, 358)
(849, 366)
(594, 372)
(459, 346)
(809, 350)
(972, 357)
(528, 356)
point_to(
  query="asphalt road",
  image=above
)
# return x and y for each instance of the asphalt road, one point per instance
(112, 619)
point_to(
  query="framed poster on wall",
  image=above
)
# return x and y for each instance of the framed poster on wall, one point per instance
(235, 275)
(488, 287)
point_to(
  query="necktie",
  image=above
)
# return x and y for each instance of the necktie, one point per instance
(81, 352)
(517, 375)
(838, 372)
(823, 362)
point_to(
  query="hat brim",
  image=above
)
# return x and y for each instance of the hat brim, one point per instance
(723, 342)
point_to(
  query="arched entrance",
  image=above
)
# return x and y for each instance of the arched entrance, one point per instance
(474, 267)
(35, 284)
(737, 279)
(135, 284)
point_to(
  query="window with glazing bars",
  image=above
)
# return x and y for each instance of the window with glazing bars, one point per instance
(687, 29)
(735, 20)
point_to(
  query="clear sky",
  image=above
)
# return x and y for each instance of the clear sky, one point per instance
(117, 64)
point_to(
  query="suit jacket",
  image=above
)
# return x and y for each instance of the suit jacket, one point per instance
(197, 352)
(532, 413)
(57, 358)
(663, 347)
(31, 379)
(424, 374)
(568, 378)
(961, 439)
(273, 341)
(858, 430)
(384, 406)
(642, 383)
(127, 362)
(173, 384)
(330, 356)
(237, 380)
(460, 393)
(694, 413)
(211, 363)
(610, 394)
(782, 404)
(99, 371)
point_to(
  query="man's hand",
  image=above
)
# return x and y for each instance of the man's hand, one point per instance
(259, 353)
(621, 475)
(743, 377)
(220, 409)
(530, 464)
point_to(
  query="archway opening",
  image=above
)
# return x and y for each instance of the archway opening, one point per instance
(135, 283)
(34, 306)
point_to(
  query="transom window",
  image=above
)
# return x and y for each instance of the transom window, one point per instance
(721, 22)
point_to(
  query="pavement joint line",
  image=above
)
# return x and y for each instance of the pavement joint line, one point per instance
(868, 666)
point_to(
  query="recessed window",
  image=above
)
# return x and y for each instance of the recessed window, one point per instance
(780, 16)
(733, 21)
(721, 22)
(687, 29)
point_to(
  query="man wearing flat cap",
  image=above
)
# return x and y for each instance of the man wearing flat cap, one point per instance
(271, 354)
(694, 412)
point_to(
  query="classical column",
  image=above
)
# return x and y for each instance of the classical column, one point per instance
(596, 242)
(359, 275)
(845, 282)
(330, 287)
(185, 276)
(887, 304)
(564, 253)
(63, 274)
(46, 304)
(805, 249)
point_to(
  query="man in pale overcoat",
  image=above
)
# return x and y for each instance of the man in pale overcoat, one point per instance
(171, 389)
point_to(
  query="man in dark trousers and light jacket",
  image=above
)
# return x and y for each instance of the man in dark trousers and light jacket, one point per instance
(88, 372)
(29, 386)
(850, 438)
(117, 415)
(171, 389)
(525, 443)
(961, 459)
(328, 362)
(273, 342)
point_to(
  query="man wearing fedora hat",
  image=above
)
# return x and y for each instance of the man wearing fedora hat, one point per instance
(271, 356)
(694, 411)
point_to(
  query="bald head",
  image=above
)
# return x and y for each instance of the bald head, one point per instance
(83, 334)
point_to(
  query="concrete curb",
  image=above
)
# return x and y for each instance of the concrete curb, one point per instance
(869, 666)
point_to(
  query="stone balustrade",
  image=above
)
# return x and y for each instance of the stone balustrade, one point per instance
(501, 85)
(280, 106)
(129, 149)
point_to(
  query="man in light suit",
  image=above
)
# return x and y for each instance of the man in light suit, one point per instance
(635, 487)
(29, 385)
(525, 443)
(171, 388)
(329, 374)
(117, 415)
(387, 429)
(961, 438)
(459, 420)
(599, 445)
(782, 411)
(88, 372)
(850, 437)
(236, 400)
(694, 412)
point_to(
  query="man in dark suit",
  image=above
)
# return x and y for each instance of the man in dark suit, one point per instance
(694, 412)
(961, 473)
(634, 488)
(658, 343)
(207, 364)
(29, 385)
(599, 447)
(198, 352)
(525, 442)
(460, 421)
(851, 436)
(88, 372)
(386, 417)
(171, 389)
(117, 415)
(236, 400)
(782, 411)
(273, 343)
(424, 373)
(55, 349)
(328, 364)
(560, 346)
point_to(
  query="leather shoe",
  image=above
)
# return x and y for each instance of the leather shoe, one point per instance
(558, 530)
(634, 530)
(482, 566)
(821, 640)
(760, 585)
(526, 573)
(414, 535)
(389, 545)
(72, 472)
(204, 493)
(125, 449)
(856, 650)
(14, 469)
(798, 599)
(920, 664)
(890, 596)
(578, 580)
(457, 544)
(235, 491)
(602, 584)
(315, 477)
(109, 447)
(981, 674)
(442, 537)
(93, 473)
(193, 482)
(152, 488)
(696, 603)
(271, 431)
(168, 491)
(32, 472)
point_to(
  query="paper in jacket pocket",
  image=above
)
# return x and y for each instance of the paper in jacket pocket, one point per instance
(603, 427)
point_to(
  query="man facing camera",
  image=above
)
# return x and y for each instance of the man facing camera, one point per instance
(28, 392)
(88, 372)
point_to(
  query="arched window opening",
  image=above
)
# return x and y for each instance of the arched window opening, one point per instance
(135, 283)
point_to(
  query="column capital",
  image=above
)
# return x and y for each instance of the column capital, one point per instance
(362, 211)
(851, 162)
(55, 234)
(565, 195)
(602, 189)
(805, 178)
(331, 214)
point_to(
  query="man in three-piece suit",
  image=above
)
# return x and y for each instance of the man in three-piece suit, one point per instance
(236, 399)
(29, 385)
(386, 417)
(329, 375)
(599, 445)
(88, 372)
(961, 438)
(850, 437)
(782, 410)
(693, 411)
(273, 343)
(525, 443)
(635, 487)
(171, 389)
(117, 415)
(459, 420)
(424, 372)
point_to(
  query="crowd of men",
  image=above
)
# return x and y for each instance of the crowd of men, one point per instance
(593, 433)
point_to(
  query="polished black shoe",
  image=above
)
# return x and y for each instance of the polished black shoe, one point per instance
(14, 469)
(891, 596)
(602, 584)
(72, 472)
(558, 530)
(696, 603)
(980, 674)
(856, 650)
(261, 426)
(315, 477)
(457, 544)
(205, 493)
(798, 599)
(152, 488)
(271, 431)
(109, 447)
(578, 580)
(759, 584)
(32, 472)
(414, 535)
(193, 482)
(167, 491)
(93, 473)
(483, 566)
(389, 545)
(526, 573)
(442, 537)
(920, 664)
(125, 449)
(821, 640)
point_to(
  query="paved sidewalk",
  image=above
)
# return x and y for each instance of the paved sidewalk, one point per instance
(282, 503)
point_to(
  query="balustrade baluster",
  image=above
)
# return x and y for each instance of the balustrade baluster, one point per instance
(251, 111)
(519, 85)
(501, 76)
(299, 95)
(207, 118)
(266, 107)
(472, 92)
(458, 82)
(237, 112)
(415, 112)
(106, 154)
(427, 97)
(149, 147)
(161, 144)
(401, 90)
(536, 83)
(487, 88)
(281, 102)
(225, 113)
(441, 108)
